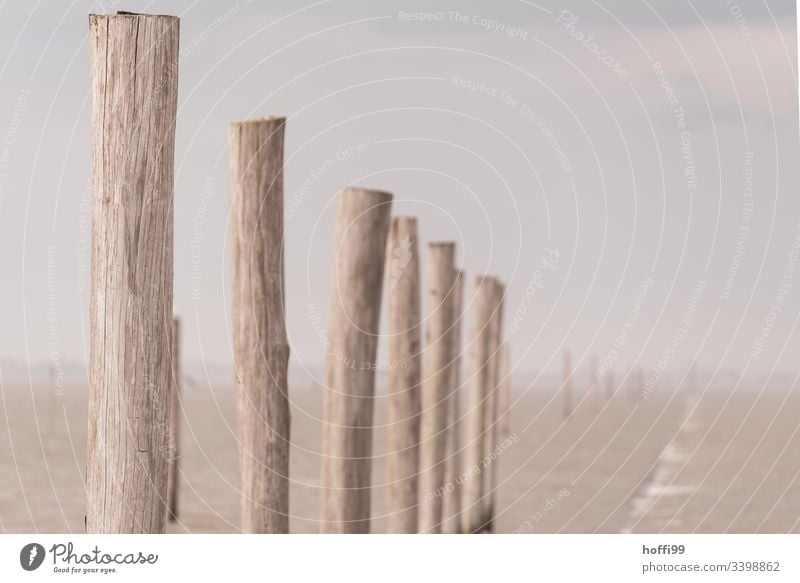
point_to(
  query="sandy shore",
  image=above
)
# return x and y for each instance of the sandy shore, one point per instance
(721, 463)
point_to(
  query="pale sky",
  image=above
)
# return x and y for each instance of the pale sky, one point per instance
(655, 164)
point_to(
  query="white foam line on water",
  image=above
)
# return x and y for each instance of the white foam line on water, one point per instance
(671, 459)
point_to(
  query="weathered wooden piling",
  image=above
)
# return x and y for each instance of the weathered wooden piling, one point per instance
(134, 79)
(174, 423)
(478, 381)
(405, 361)
(436, 384)
(491, 419)
(566, 386)
(362, 226)
(451, 500)
(260, 345)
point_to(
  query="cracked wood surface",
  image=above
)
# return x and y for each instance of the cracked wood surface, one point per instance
(405, 361)
(436, 384)
(260, 345)
(361, 229)
(134, 80)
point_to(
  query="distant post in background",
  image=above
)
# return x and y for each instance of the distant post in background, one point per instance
(436, 384)
(174, 423)
(478, 381)
(504, 391)
(134, 81)
(594, 391)
(260, 344)
(451, 497)
(638, 385)
(491, 422)
(405, 347)
(359, 253)
(567, 384)
(610, 388)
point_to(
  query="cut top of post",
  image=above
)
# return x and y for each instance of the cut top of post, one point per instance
(275, 119)
(95, 16)
(380, 196)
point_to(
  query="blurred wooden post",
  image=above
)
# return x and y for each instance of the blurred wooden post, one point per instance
(567, 385)
(451, 503)
(638, 385)
(491, 419)
(594, 383)
(359, 251)
(405, 347)
(504, 392)
(260, 345)
(610, 384)
(478, 380)
(134, 79)
(174, 423)
(436, 384)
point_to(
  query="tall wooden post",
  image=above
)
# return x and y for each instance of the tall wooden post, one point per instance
(174, 423)
(451, 503)
(362, 226)
(491, 412)
(260, 345)
(134, 77)
(478, 381)
(405, 347)
(436, 384)
(566, 386)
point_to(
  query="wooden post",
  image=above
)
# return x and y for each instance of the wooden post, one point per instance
(134, 77)
(362, 225)
(260, 345)
(436, 384)
(567, 385)
(405, 347)
(451, 503)
(174, 423)
(594, 383)
(638, 384)
(692, 378)
(610, 389)
(478, 381)
(504, 391)
(491, 412)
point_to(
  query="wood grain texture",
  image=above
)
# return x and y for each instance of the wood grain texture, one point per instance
(405, 361)
(359, 251)
(260, 346)
(134, 79)
(174, 423)
(436, 384)
(451, 497)
(491, 419)
(478, 381)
